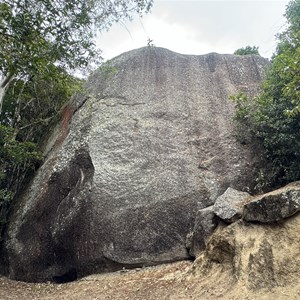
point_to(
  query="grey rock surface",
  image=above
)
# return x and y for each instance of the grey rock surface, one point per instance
(205, 224)
(131, 163)
(274, 206)
(229, 206)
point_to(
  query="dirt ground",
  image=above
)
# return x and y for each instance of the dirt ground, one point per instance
(178, 280)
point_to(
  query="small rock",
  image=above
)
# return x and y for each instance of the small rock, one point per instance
(229, 206)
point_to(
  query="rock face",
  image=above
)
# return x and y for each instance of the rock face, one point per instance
(274, 206)
(131, 163)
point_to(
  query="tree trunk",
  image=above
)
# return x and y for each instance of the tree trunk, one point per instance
(4, 84)
(2, 94)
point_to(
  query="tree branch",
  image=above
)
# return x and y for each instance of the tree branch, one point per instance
(7, 80)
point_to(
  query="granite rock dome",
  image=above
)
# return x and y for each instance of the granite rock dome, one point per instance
(132, 163)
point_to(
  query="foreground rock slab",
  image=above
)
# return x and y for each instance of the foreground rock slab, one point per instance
(259, 256)
(274, 206)
(134, 159)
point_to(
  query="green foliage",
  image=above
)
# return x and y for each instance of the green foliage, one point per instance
(274, 116)
(242, 107)
(107, 70)
(36, 34)
(287, 60)
(30, 106)
(41, 43)
(248, 50)
(17, 160)
(243, 118)
(277, 116)
(5, 195)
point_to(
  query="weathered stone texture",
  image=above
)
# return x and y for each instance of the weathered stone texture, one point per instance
(205, 223)
(273, 206)
(149, 145)
(229, 206)
(256, 256)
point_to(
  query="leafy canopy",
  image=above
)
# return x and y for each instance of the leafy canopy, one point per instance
(34, 33)
(37, 33)
(274, 116)
(30, 110)
(248, 50)
(17, 160)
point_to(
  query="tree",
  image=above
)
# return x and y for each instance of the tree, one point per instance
(32, 104)
(277, 116)
(35, 34)
(248, 50)
(17, 159)
(287, 59)
(274, 116)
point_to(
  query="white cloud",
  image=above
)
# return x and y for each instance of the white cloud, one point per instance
(198, 27)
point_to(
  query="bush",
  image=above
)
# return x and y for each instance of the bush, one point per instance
(273, 117)
(248, 50)
(29, 109)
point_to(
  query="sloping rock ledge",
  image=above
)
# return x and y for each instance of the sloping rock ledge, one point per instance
(258, 256)
(262, 249)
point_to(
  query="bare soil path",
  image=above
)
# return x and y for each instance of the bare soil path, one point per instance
(173, 281)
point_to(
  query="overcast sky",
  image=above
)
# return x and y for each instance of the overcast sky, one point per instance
(200, 27)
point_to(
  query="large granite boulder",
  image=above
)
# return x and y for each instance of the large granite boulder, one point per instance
(131, 163)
